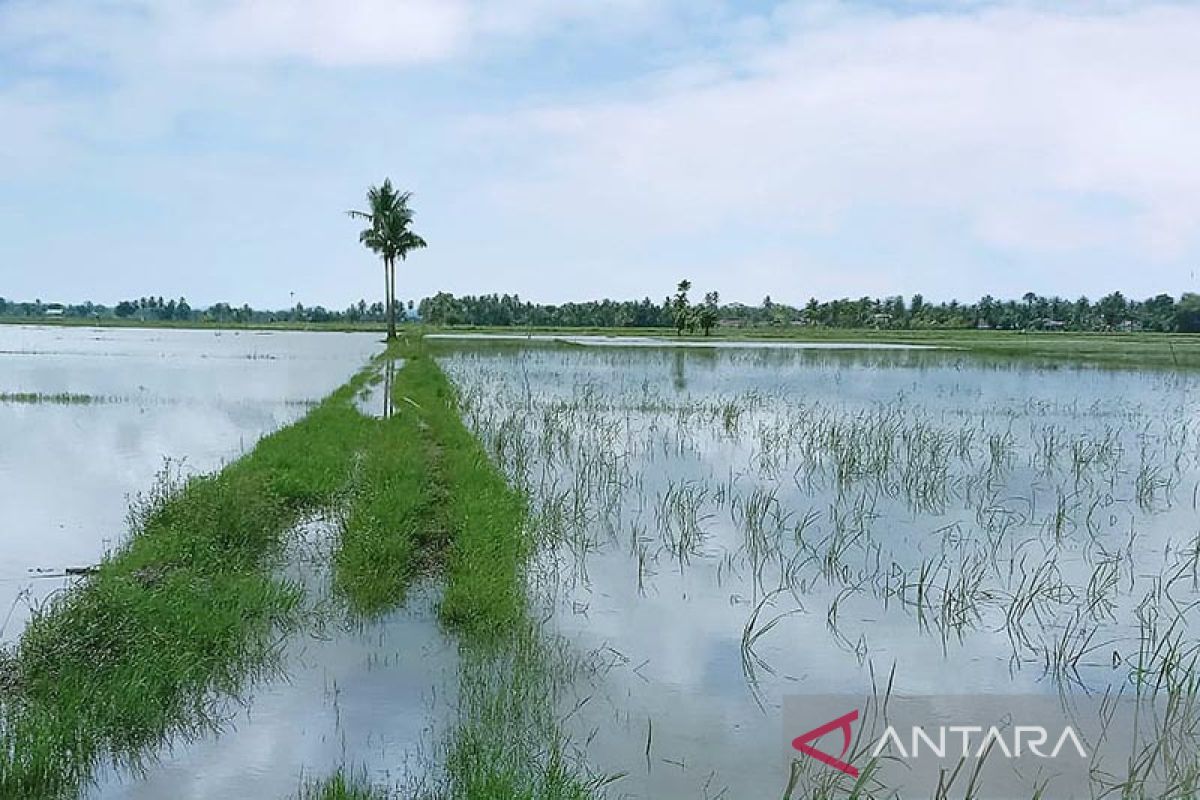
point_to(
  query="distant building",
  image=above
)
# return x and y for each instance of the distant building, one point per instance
(54, 310)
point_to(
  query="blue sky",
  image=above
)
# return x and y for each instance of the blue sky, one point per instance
(571, 149)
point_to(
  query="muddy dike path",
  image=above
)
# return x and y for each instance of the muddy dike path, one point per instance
(192, 609)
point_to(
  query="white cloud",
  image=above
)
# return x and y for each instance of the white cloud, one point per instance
(1047, 132)
(323, 32)
(332, 33)
(819, 147)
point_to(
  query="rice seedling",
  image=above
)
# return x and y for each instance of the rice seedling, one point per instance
(751, 633)
(343, 785)
(1019, 528)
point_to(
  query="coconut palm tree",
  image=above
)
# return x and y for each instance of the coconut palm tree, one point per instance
(389, 235)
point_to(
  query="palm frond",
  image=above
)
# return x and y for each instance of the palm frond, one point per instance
(407, 243)
(390, 218)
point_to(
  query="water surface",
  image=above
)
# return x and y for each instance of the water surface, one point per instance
(370, 697)
(196, 398)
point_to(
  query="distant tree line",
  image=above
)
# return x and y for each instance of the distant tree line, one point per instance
(509, 310)
(1032, 312)
(156, 309)
(677, 312)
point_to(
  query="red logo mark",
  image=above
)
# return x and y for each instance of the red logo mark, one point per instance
(803, 743)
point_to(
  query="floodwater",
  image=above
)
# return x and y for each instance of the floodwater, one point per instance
(719, 529)
(373, 698)
(661, 342)
(197, 398)
(722, 529)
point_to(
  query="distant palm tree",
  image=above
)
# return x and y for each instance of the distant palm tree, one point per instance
(389, 235)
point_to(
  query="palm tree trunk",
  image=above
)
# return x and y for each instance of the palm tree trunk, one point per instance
(391, 303)
(387, 300)
(394, 294)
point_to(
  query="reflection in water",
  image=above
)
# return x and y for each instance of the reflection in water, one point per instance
(678, 375)
(389, 376)
(375, 399)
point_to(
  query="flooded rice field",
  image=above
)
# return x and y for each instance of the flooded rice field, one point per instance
(718, 531)
(721, 529)
(89, 416)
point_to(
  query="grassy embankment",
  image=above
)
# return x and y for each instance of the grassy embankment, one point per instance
(507, 744)
(191, 608)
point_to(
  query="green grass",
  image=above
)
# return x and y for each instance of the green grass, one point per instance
(342, 786)
(393, 527)
(486, 517)
(428, 494)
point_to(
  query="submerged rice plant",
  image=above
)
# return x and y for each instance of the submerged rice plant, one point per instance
(1032, 531)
